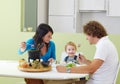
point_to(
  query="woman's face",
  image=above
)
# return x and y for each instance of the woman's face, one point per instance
(70, 50)
(47, 37)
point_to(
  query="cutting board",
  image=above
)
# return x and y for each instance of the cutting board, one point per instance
(30, 69)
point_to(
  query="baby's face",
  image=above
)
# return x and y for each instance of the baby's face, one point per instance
(70, 50)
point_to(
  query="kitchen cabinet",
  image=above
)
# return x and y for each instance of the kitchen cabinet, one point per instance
(42, 12)
(113, 7)
(62, 23)
(61, 7)
(33, 13)
(110, 6)
(28, 15)
(92, 5)
(64, 15)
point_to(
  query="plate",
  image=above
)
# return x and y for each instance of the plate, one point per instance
(43, 69)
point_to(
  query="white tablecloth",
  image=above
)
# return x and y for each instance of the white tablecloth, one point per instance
(9, 69)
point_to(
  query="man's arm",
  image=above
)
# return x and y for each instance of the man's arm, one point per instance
(90, 68)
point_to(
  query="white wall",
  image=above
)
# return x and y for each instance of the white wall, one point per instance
(112, 24)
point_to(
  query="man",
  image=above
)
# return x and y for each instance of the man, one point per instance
(102, 68)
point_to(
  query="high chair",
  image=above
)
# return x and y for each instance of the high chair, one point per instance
(64, 54)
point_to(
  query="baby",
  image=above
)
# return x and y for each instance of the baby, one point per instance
(71, 49)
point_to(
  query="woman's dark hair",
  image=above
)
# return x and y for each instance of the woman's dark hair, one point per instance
(41, 31)
(94, 28)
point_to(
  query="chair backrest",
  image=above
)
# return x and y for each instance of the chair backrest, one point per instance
(118, 68)
(64, 54)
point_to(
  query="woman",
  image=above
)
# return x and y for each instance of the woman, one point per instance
(43, 35)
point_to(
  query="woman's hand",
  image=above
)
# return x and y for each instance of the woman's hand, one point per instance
(22, 46)
(61, 68)
(51, 60)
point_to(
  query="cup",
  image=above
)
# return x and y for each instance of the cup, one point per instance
(29, 29)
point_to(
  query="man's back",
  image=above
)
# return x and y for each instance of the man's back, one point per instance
(106, 51)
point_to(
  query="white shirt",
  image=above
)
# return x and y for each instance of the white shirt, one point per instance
(106, 51)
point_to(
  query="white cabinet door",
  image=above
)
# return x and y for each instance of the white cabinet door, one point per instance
(63, 15)
(113, 8)
(62, 23)
(42, 11)
(92, 5)
(61, 7)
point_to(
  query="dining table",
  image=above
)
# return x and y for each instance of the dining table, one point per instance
(9, 68)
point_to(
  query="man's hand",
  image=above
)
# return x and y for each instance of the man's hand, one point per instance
(82, 59)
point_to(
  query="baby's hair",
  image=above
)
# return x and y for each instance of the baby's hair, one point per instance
(72, 44)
